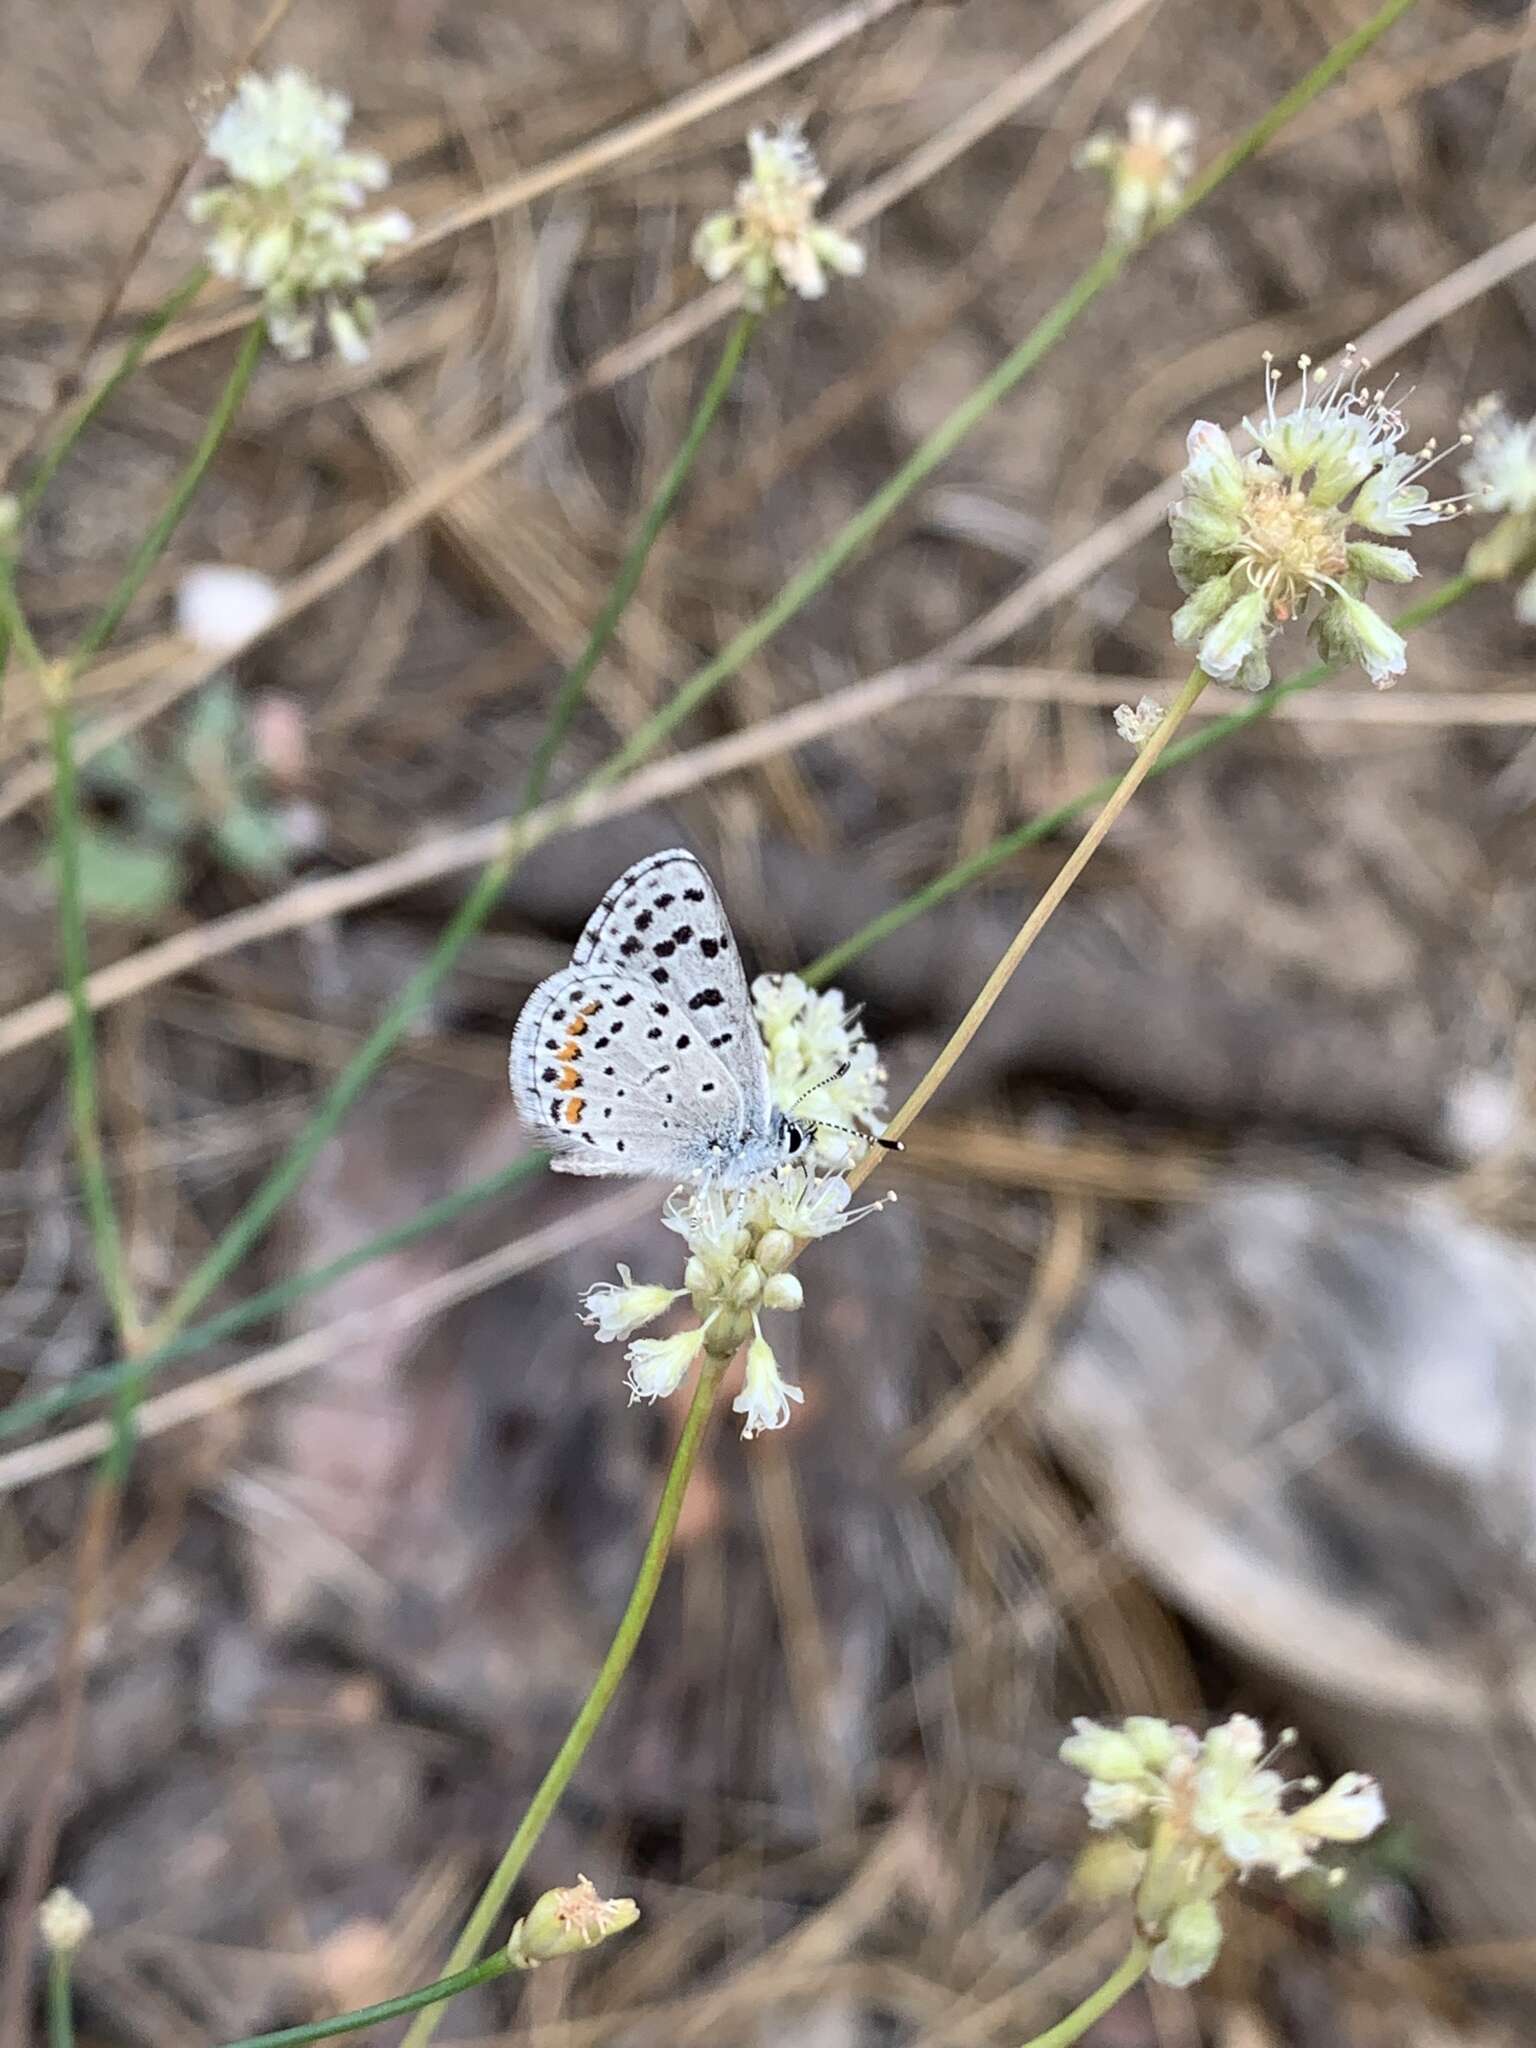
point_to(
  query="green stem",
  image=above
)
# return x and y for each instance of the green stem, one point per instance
(1003, 848)
(389, 2009)
(61, 2011)
(496, 1893)
(155, 542)
(85, 1114)
(270, 1301)
(815, 574)
(568, 698)
(1094, 2007)
(55, 455)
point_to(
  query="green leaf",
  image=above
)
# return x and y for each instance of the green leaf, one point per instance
(252, 840)
(125, 880)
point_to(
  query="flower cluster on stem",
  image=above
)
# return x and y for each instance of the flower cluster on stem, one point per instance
(565, 1921)
(1182, 1818)
(1261, 539)
(771, 237)
(287, 224)
(1147, 168)
(1500, 476)
(742, 1242)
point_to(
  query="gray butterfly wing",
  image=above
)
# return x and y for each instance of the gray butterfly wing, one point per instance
(643, 1056)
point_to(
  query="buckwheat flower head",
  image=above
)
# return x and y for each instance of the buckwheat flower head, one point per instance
(63, 1921)
(1148, 167)
(565, 1921)
(1137, 726)
(1500, 476)
(220, 608)
(821, 1065)
(771, 236)
(287, 222)
(1265, 538)
(740, 1243)
(1193, 1816)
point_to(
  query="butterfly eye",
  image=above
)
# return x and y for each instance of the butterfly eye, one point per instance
(794, 1138)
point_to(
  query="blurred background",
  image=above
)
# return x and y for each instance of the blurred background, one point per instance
(1192, 1372)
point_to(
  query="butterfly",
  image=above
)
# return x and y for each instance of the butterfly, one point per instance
(644, 1056)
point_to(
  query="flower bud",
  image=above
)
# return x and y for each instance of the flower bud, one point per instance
(783, 1290)
(1104, 1753)
(1190, 1944)
(746, 1284)
(1107, 1869)
(775, 1249)
(565, 1921)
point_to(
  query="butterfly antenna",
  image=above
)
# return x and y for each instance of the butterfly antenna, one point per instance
(864, 1137)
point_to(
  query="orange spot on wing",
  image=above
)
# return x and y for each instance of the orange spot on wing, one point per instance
(570, 1078)
(573, 1110)
(576, 1025)
(569, 1051)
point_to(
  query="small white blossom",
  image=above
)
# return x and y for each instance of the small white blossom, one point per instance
(1258, 541)
(772, 237)
(1148, 167)
(1195, 1816)
(220, 608)
(1500, 475)
(766, 1395)
(63, 1921)
(1137, 726)
(659, 1365)
(821, 1066)
(617, 1312)
(287, 224)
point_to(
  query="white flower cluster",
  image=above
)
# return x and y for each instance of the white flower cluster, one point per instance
(740, 1247)
(286, 224)
(1147, 167)
(1186, 1817)
(772, 236)
(821, 1065)
(1500, 476)
(1258, 539)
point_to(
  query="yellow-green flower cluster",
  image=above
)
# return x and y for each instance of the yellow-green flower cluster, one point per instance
(820, 1065)
(1500, 476)
(1185, 1818)
(286, 224)
(1147, 167)
(771, 237)
(1259, 540)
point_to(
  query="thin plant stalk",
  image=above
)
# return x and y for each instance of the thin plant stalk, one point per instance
(477, 1928)
(155, 542)
(388, 2009)
(568, 697)
(1002, 849)
(98, 1523)
(1097, 2003)
(806, 583)
(57, 452)
(1029, 931)
(61, 2004)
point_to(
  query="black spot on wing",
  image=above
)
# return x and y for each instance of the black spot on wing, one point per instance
(706, 999)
